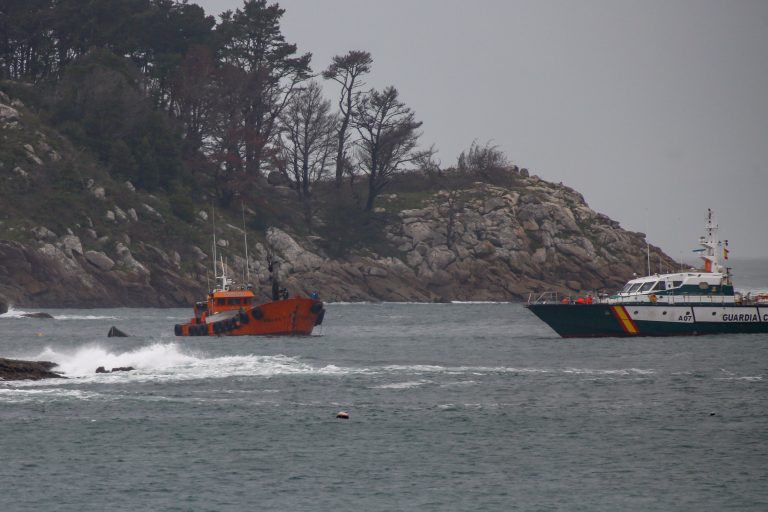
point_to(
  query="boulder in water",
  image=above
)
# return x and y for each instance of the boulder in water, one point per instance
(37, 315)
(101, 369)
(3, 306)
(114, 332)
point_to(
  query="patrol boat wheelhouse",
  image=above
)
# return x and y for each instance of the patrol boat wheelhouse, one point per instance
(695, 302)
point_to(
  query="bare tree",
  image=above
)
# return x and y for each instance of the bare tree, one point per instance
(482, 158)
(347, 71)
(426, 162)
(306, 142)
(388, 136)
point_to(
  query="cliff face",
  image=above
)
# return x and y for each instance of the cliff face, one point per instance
(70, 235)
(488, 242)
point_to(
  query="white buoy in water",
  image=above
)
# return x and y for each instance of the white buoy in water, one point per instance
(342, 415)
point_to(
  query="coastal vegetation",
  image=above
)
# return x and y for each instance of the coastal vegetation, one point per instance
(128, 128)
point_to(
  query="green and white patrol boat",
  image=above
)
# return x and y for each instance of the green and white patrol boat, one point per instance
(695, 302)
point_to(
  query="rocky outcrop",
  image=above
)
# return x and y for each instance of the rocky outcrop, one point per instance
(489, 242)
(50, 276)
(12, 369)
(482, 242)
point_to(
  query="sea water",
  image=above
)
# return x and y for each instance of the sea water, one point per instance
(452, 407)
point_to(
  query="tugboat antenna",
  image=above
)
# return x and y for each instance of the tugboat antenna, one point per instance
(245, 238)
(215, 257)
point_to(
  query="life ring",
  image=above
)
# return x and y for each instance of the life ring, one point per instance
(652, 297)
(257, 313)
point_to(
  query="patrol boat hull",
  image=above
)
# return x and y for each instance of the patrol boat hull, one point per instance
(628, 320)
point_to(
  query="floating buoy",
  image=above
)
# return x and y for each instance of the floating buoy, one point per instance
(342, 415)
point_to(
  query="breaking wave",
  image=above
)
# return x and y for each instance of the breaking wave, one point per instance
(14, 313)
(167, 361)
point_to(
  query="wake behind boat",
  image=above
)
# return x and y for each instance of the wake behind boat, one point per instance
(685, 303)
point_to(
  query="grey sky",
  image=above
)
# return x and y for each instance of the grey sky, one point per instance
(653, 110)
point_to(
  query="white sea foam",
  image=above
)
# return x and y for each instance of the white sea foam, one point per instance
(506, 369)
(168, 362)
(19, 313)
(37, 394)
(85, 360)
(14, 313)
(84, 317)
(402, 385)
(479, 302)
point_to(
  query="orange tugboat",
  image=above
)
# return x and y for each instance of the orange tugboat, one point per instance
(232, 311)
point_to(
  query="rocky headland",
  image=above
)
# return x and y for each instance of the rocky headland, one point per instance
(73, 236)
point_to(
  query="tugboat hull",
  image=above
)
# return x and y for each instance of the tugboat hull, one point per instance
(617, 320)
(297, 316)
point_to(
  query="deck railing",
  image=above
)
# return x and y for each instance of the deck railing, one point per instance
(552, 297)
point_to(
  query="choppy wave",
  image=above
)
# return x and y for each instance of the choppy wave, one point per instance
(508, 369)
(173, 362)
(480, 302)
(402, 385)
(20, 313)
(84, 317)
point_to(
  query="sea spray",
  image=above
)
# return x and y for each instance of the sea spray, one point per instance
(14, 313)
(168, 362)
(85, 360)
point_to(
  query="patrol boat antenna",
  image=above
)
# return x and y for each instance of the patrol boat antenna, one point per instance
(710, 243)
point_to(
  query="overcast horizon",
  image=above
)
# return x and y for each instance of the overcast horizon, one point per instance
(654, 111)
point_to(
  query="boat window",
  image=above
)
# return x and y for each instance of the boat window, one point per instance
(661, 285)
(233, 301)
(646, 287)
(677, 284)
(635, 287)
(220, 302)
(247, 300)
(626, 288)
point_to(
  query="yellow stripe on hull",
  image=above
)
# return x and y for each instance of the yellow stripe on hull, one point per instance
(626, 323)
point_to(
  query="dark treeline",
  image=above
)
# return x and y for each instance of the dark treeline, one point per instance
(171, 99)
